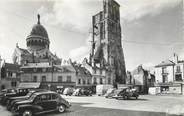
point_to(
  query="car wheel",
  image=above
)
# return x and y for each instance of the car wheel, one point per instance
(61, 108)
(27, 113)
(125, 97)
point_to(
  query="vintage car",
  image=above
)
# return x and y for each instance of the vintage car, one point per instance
(17, 92)
(110, 93)
(126, 93)
(13, 100)
(68, 91)
(5, 92)
(41, 102)
(81, 91)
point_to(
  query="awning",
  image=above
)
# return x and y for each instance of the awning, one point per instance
(29, 85)
(59, 87)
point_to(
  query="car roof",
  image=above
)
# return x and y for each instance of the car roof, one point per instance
(45, 92)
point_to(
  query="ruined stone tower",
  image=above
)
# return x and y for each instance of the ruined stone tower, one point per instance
(106, 43)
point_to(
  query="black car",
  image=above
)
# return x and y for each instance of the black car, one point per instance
(17, 92)
(6, 92)
(41, 102)
(13, 100)
(126, 93)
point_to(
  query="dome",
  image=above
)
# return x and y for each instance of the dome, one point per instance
(39, 30)
(38, 38)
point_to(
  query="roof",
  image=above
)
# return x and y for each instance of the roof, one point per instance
(29, 85)
(44, 92)
(81, 70)
(166, 63)
(36, 66)
(40, 31)
(66, 68)
(138, 70)
(24, 51)
(11, 67)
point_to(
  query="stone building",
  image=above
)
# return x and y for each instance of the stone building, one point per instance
(106, 60)
(49, 76)
(142, 79)
(83, 76)
(10, 75)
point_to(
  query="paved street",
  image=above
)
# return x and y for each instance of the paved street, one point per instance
(99, 106)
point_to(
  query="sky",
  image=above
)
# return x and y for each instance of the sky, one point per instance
(151, 30)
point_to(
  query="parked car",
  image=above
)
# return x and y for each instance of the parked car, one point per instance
(68, 91)
(17, 92)
(81, 91)
(126, 93)
(13, 100)
(110, 92)
(5, 92)
(41, 102)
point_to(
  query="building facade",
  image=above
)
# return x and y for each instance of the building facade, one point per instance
(10, 75)
(170, 76)
(142, 79)
(49, 76)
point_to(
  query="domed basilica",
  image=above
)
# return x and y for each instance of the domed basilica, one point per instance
(37, 48)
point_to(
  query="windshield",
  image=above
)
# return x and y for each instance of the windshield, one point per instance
(29, 94)
(109, 90)
(32, 97)
(118, 91)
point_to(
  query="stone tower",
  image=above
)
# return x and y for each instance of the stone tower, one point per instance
(106, 43)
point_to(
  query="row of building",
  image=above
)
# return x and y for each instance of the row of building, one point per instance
(37, 66)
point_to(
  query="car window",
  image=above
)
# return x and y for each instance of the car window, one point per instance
(54, 96)
(46, 97)
(37, 99)
(43, 97)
